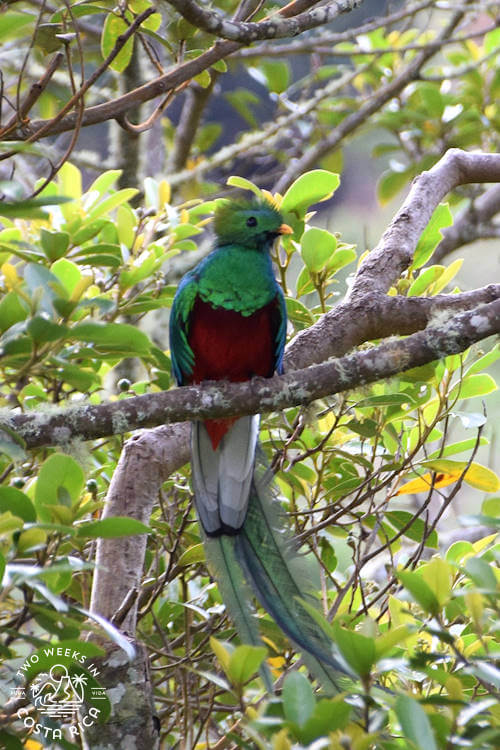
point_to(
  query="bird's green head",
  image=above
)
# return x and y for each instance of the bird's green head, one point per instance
(253, 224)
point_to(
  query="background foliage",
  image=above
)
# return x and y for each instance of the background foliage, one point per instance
(371, 481)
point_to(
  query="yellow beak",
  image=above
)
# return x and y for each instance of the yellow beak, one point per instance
(285, 229)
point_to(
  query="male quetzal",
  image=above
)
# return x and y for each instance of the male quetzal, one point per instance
(228, 322)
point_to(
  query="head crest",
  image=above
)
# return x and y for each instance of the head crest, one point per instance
(231, 218)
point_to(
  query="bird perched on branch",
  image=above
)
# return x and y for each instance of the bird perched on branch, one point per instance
(228, 322)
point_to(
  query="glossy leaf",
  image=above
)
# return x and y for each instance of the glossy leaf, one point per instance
(311, 187)
(420, 591)
(432, 235)
(415, 723)
(298, 698)
(109, 528)
(244, 663)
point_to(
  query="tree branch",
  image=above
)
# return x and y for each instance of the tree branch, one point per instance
(41, 128)
(328, 40)
(472, 223)
(366, 312)
(224, 399)
(373, 104)
(160, 86)
(384, 265)
(131, 493)
(276, 27)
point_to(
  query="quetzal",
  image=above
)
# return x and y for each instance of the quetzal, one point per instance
(228, 322)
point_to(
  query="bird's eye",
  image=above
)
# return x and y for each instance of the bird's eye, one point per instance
(251, 221)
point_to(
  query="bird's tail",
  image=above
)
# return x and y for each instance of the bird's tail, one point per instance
(261, 558)
(281, 580)
(235, 591)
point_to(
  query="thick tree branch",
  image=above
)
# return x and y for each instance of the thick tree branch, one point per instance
(325, 42)
(275, 27)
(223, 399)
(394, 253)
(367, 311)
(131, 492)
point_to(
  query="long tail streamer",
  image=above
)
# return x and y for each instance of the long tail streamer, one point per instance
(261, 558)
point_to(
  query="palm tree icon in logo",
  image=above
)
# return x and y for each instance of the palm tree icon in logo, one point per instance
(60, 694)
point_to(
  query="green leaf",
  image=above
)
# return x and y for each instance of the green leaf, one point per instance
(193, 554)
(491, 507)
(112, 336)
(386, 642)
(222, 651)
(386, 399)
(329, 715)
(114, 200)
(70, 181)
(244, 662)
(277, 75)
(54, 244)
(13, 23)
(18, 503)
(414, 723)
(42, 330)
(47, 37)
(31, 540)
(358, 650)
(68, 274)
(432, 234)
(438, 576)
(424, 280)
(304, 283)
(30, 208)
(390, 184)
(244, 184)
(58, 472)
(9, 523)
(311, 187)
(105, 181)
(317, 248)
(481, 573)
(12, 310)
(78, 378)
(114, 26)
(203, 79)
(473, 385)
(458, 550)
(420, 591)
(342, 257)
(109, 528)
(298, 698)
(298, 313)
(485, 361)
(399, 519)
